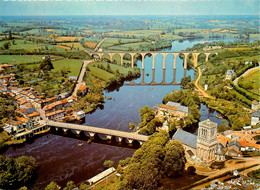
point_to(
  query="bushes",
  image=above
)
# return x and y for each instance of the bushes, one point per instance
(16, 172)
(245, 93)
(108, 164)
(154, 160)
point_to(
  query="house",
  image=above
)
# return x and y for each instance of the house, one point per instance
(255, 117)
(6, 66)
(246, 146)
(35, 117)
(64, 95)
(15, 126)
(79, 115)
(83, 89)
(13, 89)
(46, 57)
(234, 148)
(73, 78)
(27, 122)
(255, 105)
(230, 74)
(26, 111)
(172, 110)
(55, 115)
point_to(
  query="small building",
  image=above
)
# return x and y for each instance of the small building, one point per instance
(27, 122)
(83, 89)
(73, 78)
(255, 118)
(79, 115)
(255, 105)
(64, 95)
(230, 74)
(101, 175)
(172, 110)
(56, 115)
(14, 126)
(35, 117)
(205, 87)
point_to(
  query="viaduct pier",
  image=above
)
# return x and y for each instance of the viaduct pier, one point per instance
(195, 55)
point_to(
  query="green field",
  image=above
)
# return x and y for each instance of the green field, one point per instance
(14, 59)
(73, 64)
(129, 46)
(27, 45)
(116, 41)
(74, 45)
(254, 78)
(100, 73)
(104, 75)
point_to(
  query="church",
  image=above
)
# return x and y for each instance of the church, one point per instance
(203, 147)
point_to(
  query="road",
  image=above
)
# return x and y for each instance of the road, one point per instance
(196, 83)
(97, 47)
(233, 165)
(246, 73)
(80, 78)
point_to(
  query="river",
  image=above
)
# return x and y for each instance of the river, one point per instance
(60, 159)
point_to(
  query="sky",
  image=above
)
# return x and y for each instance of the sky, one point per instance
(129, 7)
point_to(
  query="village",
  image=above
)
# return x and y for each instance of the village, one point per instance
(33, 108)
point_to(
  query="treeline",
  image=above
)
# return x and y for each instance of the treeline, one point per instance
(158, 158)
(68, 54)
(16, 172)
(244, 92)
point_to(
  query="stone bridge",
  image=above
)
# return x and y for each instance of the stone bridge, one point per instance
(109, 133)
(195, 55)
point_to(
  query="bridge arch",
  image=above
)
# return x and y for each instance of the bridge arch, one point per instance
(127, 59)
(116, 58)
(105, 56)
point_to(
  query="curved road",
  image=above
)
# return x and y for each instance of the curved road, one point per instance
(246, 73)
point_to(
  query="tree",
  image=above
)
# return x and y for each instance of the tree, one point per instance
(174, 161)
(185, 81)
(52, 186)
(46, 64)
(6, 45)
(84, 186)
(15, 173)
(23, 188)
(108, 164)
(70, 185)
(191, 170)
(10, 35)
(147, 114)
(146, 168)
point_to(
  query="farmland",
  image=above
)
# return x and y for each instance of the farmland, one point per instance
(17, 59)
(253, 78)
(73, 65)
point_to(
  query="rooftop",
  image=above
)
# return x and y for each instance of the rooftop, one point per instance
(186, 138)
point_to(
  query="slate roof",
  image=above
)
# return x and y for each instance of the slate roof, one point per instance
(256, 114)
(179, 106)
(186, 138)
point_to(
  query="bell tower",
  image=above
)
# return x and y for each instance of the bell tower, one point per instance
(207, 141)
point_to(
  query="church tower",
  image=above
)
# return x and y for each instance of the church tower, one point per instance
(207, 141)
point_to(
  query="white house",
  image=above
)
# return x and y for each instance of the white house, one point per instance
(255, 117)
(14, 126)
(230, 74)
(79, 115)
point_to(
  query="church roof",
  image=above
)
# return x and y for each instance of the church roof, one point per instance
(186, 138)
